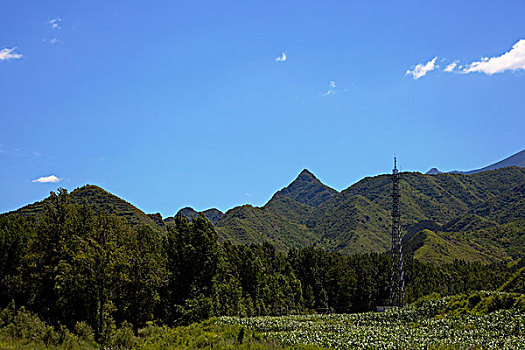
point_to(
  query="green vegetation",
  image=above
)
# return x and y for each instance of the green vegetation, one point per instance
(357, 220)
(474, 321)
(308, 190)
(477, 218)
(189, 213)
(73, 265)
(516, 284)
(210, 334)
(88, 269)
(100, 201)
(487, 320)
(21, 329)
(442, 247)
(248, 224)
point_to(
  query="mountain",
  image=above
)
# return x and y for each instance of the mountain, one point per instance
(478, 217)
(307, 189)
(247, 224)
(211, 214)
(439, 248)
(284, 220)
(101, 201)
(358, 218)
(517, 159)
(433, 171)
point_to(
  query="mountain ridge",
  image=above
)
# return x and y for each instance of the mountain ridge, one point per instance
(517, 159)
(307, 189)
(447, 207)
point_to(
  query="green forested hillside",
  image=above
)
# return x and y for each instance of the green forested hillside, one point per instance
(102, 202)
(72, 275)
(248, 224)
(307, 189)
(358, 218)
(475, 217)
(189, 213)
(516, 284)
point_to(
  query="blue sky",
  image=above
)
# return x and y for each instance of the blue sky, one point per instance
(170, 103)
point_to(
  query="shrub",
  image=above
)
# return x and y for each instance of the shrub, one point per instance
(84, 332)
(123, 337)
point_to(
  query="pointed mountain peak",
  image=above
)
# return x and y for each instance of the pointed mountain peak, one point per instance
(433, 171)
(307, 189)
(306, 174)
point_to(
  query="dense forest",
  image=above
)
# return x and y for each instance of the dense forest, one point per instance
(72, 265)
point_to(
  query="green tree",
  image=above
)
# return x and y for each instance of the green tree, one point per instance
(192, 253)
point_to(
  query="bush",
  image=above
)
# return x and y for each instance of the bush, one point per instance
(23, 325)
(123, 337)
(495, 302)
(85, 332)
(26, 325)
(151, 330)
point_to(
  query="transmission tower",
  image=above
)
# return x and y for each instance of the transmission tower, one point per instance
(397, 278)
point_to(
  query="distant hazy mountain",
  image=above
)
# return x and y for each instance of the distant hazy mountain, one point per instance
(433, 171)
(517, 159)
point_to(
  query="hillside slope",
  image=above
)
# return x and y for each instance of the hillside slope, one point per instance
(101, 201)
(307, 189)
(211, 214)
(479, 217)
(517, 159)
(358, 218)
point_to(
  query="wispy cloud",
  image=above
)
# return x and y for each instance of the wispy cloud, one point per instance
(422, 69)
(55, 23)
(510, 60)
(281, 58)
(53, 41)
(9, 54)
(451, 67)
(15, 152)
(331, 90)
(48, 179)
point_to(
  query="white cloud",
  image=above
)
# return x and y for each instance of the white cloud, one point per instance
(511, 60)
(451, 67)
(8, 54)
(281, 58)
(331, 90)
(53, 41)
(47, 179)
(422, 69)
(55, 23)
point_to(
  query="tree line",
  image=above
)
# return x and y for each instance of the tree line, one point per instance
(72, 265)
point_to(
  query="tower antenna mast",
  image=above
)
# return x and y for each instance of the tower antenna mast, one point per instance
(397, 278)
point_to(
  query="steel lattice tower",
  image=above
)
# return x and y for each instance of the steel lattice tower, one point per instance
(397, 278)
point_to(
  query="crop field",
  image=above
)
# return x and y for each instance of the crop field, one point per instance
(422, 327)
